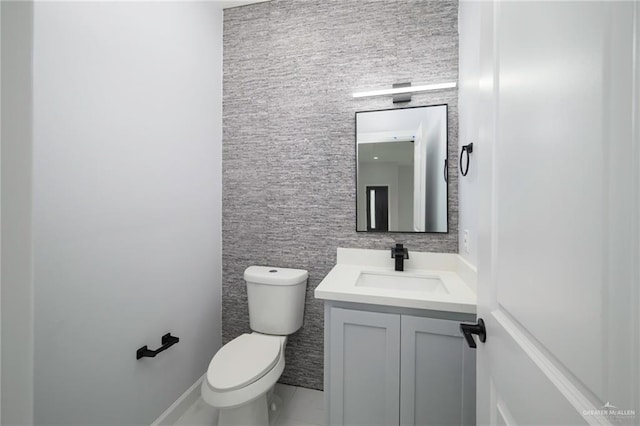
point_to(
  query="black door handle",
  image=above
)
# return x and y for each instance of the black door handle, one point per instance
(469, 329)
(167, 341)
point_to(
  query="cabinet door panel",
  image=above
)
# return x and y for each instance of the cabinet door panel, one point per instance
(365, 368)
(437, 374)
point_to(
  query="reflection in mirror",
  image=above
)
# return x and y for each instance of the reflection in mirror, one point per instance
(401, 170)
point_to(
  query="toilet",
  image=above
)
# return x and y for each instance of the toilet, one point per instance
(243, 372)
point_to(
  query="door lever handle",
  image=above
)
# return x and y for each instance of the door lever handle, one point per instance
(469, 329)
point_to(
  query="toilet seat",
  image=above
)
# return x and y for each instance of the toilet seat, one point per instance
(243, 361)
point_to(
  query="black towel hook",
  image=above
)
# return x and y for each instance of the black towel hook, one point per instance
(468, 149)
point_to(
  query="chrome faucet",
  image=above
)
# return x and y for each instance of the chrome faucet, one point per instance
(399, 253)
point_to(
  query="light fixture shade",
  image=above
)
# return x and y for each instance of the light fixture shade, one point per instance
(409, 89)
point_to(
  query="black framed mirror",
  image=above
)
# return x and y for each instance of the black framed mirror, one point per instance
(401, 170)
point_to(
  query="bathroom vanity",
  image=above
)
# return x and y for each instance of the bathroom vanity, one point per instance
(394, 353)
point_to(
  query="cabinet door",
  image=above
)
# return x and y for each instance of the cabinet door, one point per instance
(437, 374)
(365, 368)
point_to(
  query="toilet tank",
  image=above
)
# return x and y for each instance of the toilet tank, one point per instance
(276, 298)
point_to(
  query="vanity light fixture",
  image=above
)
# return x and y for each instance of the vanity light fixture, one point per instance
(404, 88)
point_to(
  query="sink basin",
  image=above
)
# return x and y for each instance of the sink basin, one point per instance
(401, 281)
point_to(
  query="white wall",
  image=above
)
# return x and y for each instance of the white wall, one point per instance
(405, 197)
(468, 110)
(126, 200)
(434, 132)
(16, 289)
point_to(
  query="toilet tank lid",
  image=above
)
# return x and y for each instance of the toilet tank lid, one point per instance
(275, 276)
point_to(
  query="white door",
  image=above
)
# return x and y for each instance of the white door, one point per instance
(559, 227)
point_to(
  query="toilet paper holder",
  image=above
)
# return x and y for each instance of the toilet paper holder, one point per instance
(167, 341)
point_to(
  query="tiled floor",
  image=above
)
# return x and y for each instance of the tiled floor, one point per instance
(299, 407)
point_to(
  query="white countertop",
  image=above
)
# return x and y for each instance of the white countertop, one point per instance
(457, 275)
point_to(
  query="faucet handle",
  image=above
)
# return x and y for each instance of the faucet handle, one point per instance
(399, 249)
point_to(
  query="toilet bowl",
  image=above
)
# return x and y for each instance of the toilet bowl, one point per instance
(242, 372)
(243, 369)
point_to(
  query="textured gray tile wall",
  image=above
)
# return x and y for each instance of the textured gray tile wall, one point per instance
(290, 68)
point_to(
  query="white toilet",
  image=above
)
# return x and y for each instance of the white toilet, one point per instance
(245, 369)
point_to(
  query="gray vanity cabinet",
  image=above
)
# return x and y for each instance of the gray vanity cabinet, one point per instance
(387, 368)
(437, 373)
(365, 368)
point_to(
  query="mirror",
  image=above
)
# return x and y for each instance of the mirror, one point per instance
(401, 164)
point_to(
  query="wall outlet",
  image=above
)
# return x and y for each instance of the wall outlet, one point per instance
(465, 241)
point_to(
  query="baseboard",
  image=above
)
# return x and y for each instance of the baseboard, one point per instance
(180, 406)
